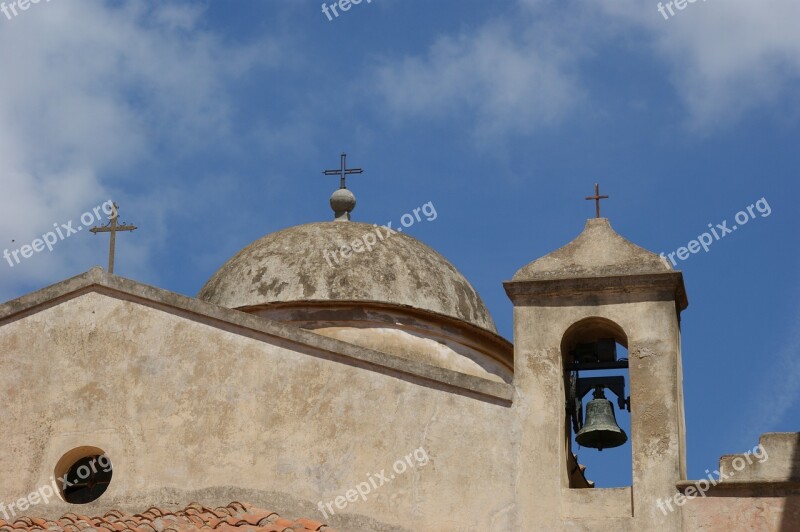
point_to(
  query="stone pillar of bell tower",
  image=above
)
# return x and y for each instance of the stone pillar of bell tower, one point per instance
(598, 286)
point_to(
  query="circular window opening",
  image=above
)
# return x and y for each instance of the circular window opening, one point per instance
(85, 474)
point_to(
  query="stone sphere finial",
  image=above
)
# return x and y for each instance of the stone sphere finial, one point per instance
(342, 202)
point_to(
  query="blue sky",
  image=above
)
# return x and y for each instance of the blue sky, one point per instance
(210, 123)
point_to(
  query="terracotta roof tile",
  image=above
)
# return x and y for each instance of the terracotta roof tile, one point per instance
(236, 517)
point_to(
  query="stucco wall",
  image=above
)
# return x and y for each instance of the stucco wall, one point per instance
(187, 411)
(755, 490)
(656, 437)
(744, 511)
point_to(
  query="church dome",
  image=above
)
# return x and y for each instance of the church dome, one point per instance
(304, 264)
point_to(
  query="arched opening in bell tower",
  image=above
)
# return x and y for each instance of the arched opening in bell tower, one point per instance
(597, 389)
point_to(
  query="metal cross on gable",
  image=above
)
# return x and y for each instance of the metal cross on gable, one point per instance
(343, 171)
(112, 228)
(597, 197)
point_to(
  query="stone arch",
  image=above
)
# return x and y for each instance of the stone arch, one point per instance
(591, 329)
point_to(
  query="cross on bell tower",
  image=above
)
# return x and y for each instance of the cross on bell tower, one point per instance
(597, 197)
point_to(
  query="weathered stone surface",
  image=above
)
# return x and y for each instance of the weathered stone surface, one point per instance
(291, 265)
(222, 405)
(97, 280)
(409, 333)
(597, 252)
(744, 511)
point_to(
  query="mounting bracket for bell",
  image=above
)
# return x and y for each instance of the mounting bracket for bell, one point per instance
(580, 386)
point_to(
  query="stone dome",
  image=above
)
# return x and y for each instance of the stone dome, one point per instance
(304, 264)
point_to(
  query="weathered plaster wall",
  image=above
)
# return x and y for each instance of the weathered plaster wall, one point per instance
(745, 511)
(656, 432)
(187, 411)
(756, 490)
(408, 333)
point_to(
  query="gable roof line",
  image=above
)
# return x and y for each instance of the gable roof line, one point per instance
(97, 280)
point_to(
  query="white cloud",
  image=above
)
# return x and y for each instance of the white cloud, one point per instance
(727, 57)
(89, 88)
(506, 81)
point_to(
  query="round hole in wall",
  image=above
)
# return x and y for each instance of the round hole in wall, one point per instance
(83, 474)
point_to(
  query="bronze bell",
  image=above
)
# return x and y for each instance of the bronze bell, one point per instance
(600, 431)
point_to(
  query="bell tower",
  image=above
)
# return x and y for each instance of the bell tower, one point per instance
(571, 308)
